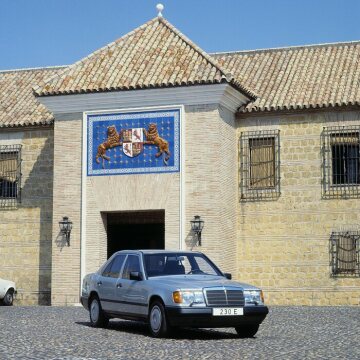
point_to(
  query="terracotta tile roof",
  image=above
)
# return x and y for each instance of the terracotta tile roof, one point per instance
(18, 105)
(316, 76)
(154, 55)
(158, 55)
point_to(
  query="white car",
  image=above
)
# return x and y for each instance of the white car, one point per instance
(7, 292)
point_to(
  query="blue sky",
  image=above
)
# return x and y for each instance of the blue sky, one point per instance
(37, 33)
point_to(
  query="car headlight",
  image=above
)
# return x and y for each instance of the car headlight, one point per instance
(189, 297)
(254, 297)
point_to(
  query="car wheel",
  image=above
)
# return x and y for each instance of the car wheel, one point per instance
(247, 331)
(97, 316)
(9, 298)
(158, 323)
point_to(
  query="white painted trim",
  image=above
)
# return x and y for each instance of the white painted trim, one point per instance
(232, 98)
(222, 94)
(182, 179)
(132, 109)
(83, 201)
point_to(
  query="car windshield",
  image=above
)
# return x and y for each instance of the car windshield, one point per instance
(163, 264)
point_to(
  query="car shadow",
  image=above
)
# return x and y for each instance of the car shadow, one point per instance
(139, 328)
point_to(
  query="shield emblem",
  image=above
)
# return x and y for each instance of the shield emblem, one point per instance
(133, 142)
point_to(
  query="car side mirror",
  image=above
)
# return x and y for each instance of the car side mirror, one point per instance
(228, 276)
(136, 275)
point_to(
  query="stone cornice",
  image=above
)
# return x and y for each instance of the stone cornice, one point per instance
(222, 94)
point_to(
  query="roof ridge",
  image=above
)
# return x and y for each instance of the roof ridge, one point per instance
(96, 52)
(226, 74)
(34, 68)
(284, 48)
(196, 48)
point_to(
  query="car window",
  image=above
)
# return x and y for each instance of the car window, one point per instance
(186, 263)
(174, 265)
(116, 266)
(168, 264)
(155, 264)
(106, 272)
(203, 266)
(132, 264)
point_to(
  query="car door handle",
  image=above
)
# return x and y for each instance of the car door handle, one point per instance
(99, 283)
(118, 285)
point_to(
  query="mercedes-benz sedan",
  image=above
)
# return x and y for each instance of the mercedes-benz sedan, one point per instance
(169, 289)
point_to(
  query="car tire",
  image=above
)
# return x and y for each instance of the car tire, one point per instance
(247, 331)
(97, 316)
(158, 324)
(9, 298)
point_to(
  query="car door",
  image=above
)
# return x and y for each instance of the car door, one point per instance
(107, 283)
(132, 293)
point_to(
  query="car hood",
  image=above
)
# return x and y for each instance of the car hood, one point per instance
(198, 282)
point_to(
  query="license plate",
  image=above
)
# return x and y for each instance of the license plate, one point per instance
(227, 311)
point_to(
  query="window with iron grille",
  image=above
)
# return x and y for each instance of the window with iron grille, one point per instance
(10, 175)
(341, 162)
(345, 253)
(260, 165)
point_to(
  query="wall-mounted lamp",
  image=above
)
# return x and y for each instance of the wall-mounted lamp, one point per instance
(196, 226)
(65, 228)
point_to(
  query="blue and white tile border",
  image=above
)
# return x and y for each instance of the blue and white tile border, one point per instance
(123, 115)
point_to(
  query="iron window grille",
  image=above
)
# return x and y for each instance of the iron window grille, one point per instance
(260, 165)
(345, 254)
(341, 162)
(10, 175)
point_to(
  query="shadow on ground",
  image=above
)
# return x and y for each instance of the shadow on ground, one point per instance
(139, 328)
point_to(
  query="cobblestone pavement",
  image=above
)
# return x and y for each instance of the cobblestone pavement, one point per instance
(287, 333)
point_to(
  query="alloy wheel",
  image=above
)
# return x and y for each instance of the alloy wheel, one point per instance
(94, 310)
(155, 318)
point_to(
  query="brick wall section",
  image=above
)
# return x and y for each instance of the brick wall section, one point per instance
(25, 231)
(211, 181)
(67, 202)
(283, 245)
(127, 193)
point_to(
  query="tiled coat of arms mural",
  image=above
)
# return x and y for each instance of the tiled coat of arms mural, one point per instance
(134, 142)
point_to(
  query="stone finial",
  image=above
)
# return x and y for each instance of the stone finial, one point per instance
(159, 8)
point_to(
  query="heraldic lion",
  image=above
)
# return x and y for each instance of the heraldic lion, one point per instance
(153, 138)
(113, 139)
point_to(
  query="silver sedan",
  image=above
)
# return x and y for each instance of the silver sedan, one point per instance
(169, 289)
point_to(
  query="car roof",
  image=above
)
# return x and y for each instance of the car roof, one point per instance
(154, 251)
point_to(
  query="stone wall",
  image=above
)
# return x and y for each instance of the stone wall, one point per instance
(67, 202)
(283, 245)
(25, 229)
(211, 181)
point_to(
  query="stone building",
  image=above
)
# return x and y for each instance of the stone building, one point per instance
(133, 141)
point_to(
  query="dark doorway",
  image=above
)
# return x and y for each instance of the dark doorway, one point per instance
(133, 230)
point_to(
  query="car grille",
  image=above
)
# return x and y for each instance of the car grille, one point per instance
(224, 297)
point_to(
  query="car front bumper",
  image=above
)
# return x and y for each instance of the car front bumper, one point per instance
(203, 317)
(84, 302)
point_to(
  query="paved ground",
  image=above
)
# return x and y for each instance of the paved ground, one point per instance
(287, 333)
